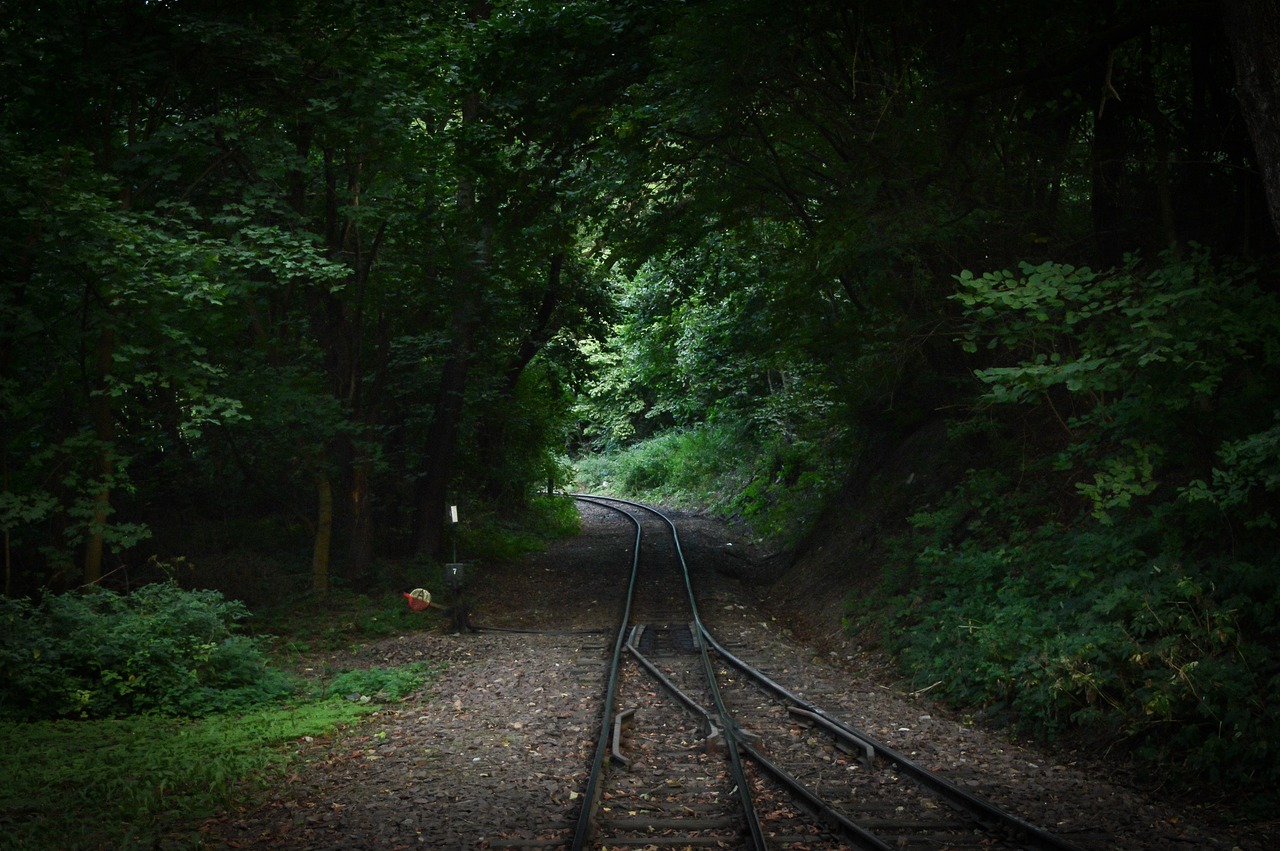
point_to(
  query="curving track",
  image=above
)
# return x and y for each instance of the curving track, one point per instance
(698, 747)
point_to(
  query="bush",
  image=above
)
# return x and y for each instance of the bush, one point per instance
(1129, 629)
(1143, 373)
(1119, 580)
(99, 654)
(368, 684)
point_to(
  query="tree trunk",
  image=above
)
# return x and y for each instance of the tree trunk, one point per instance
(360, 542)
(8, 552)
(1253, 30)
(324, 535)
(432, 489)
(100, 414)
(1108, 177)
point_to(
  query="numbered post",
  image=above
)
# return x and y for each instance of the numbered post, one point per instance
(456, 575)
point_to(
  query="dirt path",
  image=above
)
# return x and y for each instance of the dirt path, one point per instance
(497, 747)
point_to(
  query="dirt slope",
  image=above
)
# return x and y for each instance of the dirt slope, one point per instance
(844, 554)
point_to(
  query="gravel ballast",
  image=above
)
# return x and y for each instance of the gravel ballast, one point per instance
(493, 752)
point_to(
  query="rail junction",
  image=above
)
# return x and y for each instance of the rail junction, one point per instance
(697, 745)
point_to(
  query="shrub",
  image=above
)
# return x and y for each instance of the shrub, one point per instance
(1124, 582)
(368, 684)
(775, 484)
(99, 654)
(1116, 629)
(1132, 365)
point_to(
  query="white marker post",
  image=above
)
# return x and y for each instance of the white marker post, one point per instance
(457, 576)
(453, 530)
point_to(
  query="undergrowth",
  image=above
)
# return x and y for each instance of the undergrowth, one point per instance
(1121, 583)
(123, 783)
(346, 619)
(128, 719)
(100, 654)
(491, 536)
(1083, 629)
(776, 486)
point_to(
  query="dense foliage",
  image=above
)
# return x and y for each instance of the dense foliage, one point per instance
(1145, 607)
(151, 779)
(158, 650)
(282, 281)
(840, 190)
(307, 261)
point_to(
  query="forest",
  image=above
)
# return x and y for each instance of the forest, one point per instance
(285, 280)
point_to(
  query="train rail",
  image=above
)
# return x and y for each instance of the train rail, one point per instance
(699, 747)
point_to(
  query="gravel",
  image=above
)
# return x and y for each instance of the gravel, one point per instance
(493, 752)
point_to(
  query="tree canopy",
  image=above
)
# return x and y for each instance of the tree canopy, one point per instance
(261, 255)
(293, 277)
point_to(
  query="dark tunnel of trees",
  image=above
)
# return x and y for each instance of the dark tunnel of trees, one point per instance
(283, 281)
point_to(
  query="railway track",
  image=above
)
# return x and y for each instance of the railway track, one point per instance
(699, 747)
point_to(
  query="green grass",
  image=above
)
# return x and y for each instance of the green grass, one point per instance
(146, 781)
(122, 783)
(346, 620)
(380, 683)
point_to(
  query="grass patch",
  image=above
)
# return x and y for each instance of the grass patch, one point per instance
(127, 783)
(345, 621)
(143, 779)
(368, 684)
(123, 783)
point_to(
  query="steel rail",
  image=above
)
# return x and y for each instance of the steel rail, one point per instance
(736, 769)
(592, 790)
(689, 703)
(820, 808)
(983, 811)
(823, 810)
